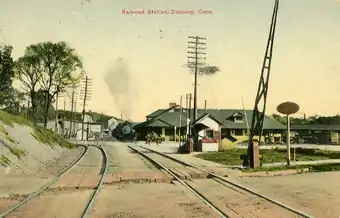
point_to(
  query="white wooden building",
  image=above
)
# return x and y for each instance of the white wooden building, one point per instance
(210, 132)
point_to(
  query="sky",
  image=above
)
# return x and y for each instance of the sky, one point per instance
(305, 65)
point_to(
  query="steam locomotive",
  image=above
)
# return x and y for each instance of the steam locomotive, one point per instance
(125, 132)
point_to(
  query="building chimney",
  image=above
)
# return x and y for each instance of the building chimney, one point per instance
(205, 106)
(172, 104)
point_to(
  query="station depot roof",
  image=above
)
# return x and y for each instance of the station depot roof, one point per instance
(164, 118)
(315, 127)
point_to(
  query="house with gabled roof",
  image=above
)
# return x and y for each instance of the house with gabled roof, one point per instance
(209, 132)
(171, 122)
(108, 123)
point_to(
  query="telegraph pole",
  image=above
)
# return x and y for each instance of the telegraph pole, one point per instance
(63, 128)
(74, 118)
(180, 120)
(186, 115)
(72, 107)
(190, 98)
(195, 56)
(56, 129)
(85, 95)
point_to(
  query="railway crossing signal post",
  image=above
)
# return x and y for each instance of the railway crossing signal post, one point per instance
(261, 96)
(196, 45)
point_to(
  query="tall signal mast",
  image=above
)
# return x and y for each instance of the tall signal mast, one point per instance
(261, 96)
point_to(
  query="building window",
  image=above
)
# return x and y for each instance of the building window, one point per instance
(238, 132)
(238, 119)
(209, 134)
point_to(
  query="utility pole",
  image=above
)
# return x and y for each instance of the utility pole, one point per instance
(87, 130)
(190, 98)
(56, 111)
(71, 118)
(195, 57)
(63, 129)
(85, 95)
(180, 120)
(245, 116)
(74, 118)
(186, 114)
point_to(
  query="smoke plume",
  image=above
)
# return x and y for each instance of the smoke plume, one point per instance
(118, 79)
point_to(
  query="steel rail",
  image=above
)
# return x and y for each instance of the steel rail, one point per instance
(298, 212)
(100, 183)
(186, 185)
(45, 186)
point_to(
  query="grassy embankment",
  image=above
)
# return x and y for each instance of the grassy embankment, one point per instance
(231, 157)
(39, 133)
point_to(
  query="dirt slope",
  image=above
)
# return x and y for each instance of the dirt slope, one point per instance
(25, 148)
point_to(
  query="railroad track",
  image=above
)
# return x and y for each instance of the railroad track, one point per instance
(11, 211)
(229, 199)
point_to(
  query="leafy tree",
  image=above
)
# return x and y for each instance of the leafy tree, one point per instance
(6, 74)
(12, 102)
(279, 118)
(310, 120)
(28, 70)
(59, 61)
(38, 112)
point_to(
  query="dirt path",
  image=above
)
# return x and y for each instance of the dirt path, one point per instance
(237, 203)
(16, 185)
(148, 200)
(83, 175)
(127, 166)
(56, 205)
(129, 200)
(121, 158)
(314, 193)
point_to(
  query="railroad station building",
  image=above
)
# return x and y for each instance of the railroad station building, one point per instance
(315, 133)
(232, 125)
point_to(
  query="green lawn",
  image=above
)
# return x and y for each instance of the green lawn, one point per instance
(232, 156)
